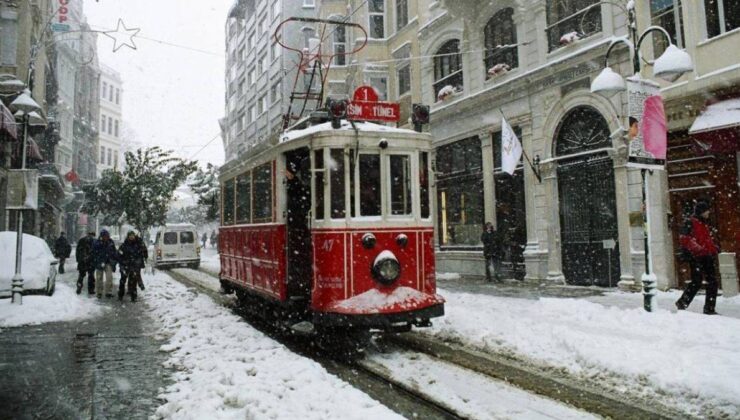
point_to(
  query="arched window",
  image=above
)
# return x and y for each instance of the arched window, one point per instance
(582, 129)
(500, 40)
(448, 67)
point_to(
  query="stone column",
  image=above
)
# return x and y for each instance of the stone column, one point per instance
(489, 187)
(627, 281)
(554, 255)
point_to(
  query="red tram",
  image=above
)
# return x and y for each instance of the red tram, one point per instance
(333, 227)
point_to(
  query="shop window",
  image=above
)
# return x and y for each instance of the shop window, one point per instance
(370, 202)
(228, 203)
(722, 16)
(567, 16)
(460, 200)
(500, 40)
(244, 198)
(262, 194)
(318, 162)
(400, 179)
(448, 69)
(337, 183)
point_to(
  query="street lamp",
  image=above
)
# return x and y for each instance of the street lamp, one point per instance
(670, 66)
(25, 107)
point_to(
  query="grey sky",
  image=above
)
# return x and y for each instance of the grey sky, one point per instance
(173, 95)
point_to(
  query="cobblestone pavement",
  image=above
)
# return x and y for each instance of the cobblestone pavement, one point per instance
(105, 368)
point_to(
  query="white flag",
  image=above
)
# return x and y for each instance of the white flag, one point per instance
(511, 149)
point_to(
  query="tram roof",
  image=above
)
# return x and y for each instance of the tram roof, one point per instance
(364, 127)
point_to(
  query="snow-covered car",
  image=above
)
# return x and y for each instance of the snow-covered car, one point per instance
(39, 267)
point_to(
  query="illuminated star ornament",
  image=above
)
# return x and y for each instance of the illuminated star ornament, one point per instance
(122, 36)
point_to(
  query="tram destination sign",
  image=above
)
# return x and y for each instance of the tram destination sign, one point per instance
(365, 106)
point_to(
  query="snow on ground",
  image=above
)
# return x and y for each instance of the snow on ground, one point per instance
(210, 261)
(691, 358)
(64, 305)
(226, 369)
(469, 393)
(199, 277)
(448, 276)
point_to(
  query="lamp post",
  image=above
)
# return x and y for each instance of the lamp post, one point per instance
(25, 107)
(670, 66)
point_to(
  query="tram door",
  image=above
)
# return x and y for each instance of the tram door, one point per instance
(588, 221)
(298, 200)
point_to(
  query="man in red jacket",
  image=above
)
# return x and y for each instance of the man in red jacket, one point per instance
(696, 238)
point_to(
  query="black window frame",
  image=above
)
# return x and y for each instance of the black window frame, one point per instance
(565, 16)
(448, 67)
(499, 34)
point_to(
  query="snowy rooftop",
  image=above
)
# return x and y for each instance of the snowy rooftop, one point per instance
(723, 114)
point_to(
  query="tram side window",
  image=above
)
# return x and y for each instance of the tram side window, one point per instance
(228, 202)
(424, 184)
(400, 184)
(318, 162)
(244, 198)
(338, 208)
(370, 185)
(263, 193)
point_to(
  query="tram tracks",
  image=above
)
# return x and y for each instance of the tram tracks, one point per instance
(396, 395)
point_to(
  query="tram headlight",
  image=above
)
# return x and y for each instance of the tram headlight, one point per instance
(386, 268)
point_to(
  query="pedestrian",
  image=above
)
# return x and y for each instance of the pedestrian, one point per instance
(62, 250)
(214, 239)
(491, 251)
(701, 249)
(105, 258)
(133, 256)
(204, 239)
(85, 264)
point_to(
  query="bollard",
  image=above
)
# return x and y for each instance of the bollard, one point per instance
(649, 292)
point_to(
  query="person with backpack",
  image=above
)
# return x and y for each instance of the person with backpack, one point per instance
(62, 250)
(701, 250)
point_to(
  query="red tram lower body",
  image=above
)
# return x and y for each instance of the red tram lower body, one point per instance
(347, 288)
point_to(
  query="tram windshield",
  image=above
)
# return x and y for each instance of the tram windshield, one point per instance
(370, 184)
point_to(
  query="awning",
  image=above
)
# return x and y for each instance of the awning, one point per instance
(7, 123)
(717, 129)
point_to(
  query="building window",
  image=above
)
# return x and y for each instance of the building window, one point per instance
(500, 41)
(460, 193)
(340, 44)
(251, 41)
(118, 96)
(403, 69)
(115, 131)
(240, 89)
(110, 157)
(275, 92)
(402, 14)
(309, 3)
(110, 125)
(104, 93)
(566, 16)
(115, 161)
(102, 155)
(264, 62)
(722, 16)
(102, 123)
(448, 69)
(275, 8)
(380, 84)
(250, 77)
(8, 41)
(110, 93)
(252, 115)
(274, 51)
(667, 14)
(377, 19)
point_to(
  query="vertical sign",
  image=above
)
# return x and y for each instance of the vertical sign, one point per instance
(645, 153)
(61, 20)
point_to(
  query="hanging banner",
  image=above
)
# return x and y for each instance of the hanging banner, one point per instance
(61, 20)
(646, 134)
(23, 189)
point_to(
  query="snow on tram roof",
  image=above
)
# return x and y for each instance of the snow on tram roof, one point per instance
(346, 126)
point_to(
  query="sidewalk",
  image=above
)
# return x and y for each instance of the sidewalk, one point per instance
(106, 367)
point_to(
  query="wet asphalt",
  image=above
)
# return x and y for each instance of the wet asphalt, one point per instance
(106, 367)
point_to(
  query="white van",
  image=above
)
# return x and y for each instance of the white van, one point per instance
(176, 245)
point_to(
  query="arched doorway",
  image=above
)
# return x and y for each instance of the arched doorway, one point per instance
(588, 212)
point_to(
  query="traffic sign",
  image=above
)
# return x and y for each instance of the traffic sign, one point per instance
(366, 107)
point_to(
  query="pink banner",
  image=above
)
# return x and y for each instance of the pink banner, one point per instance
(654, 131)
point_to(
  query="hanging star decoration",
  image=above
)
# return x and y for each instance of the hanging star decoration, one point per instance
(122, 36)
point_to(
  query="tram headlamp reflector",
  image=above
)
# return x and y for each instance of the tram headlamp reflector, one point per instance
(368, 241)
(386, 268)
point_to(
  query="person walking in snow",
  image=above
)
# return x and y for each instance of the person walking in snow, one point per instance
(204, 239)
(696, 238)
(105, 258)
(85, 265)
(133, 255)
(491, 251)
(62, 250)
(214, 239)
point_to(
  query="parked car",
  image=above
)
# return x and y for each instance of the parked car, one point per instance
(176, 245)
(39, 267)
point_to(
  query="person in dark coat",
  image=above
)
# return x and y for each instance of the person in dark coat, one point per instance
(696, 238)
(491, 251)
(133, 254)
(62, 250)
(105, 258)
(85, 264)
(214, 239)
(204, 239)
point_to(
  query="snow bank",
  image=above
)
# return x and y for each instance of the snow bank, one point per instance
(225, 369)
(448, 276)
(36, 259)
(688, 356)
(375, 301)
(64, 305)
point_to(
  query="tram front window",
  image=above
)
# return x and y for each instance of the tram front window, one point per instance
(369, 185)
(338, 183)
(400, 171)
